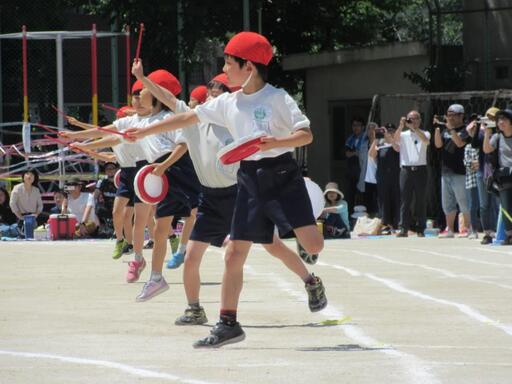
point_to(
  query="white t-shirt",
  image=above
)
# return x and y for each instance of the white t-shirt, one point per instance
(204, 141)
(77, 207)
(156, 146)
(270, 110)
(128, 153)
(413, 152)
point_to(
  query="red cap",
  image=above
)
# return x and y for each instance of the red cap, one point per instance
(121, 112)
(250, 46)
(167, 80)
(223, 78)
(199, 93)
(137, 86)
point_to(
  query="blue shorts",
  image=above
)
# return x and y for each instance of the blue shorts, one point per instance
(214, 215)
(271, 192)
(184, 189)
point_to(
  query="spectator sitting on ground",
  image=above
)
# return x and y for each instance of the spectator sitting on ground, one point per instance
(26, 197)
(8, 225)
(335, 213)
(58, 198)
(81, 205)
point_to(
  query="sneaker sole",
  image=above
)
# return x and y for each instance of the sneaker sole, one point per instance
(154, 294)
(226, 342)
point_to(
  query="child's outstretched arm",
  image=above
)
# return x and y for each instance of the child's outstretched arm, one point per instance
(171, 123)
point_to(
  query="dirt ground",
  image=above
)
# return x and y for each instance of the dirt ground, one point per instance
(400, 311)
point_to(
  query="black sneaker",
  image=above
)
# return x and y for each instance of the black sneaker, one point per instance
(486, 240)
(127, 249)
(402, 233)
(149, 245)
(307, 257)
(222, 334)
(316, 295)
(192, 316)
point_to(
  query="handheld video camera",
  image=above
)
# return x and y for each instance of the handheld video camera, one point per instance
(488, 123)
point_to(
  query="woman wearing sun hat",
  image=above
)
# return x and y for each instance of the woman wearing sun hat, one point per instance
(335, 213)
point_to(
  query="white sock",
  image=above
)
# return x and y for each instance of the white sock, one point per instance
(138, 257)
(155, 276)
(182, 248)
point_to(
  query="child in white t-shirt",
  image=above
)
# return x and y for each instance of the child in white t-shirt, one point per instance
(270, 186)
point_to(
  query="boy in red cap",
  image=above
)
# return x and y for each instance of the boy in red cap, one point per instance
(217, 201)
(270, 185)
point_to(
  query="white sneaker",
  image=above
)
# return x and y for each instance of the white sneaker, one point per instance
(446, 235)
(473, 236)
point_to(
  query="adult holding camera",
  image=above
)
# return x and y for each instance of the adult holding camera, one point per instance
(451, 143)
(488, 202)
(413, 144)
(502, 175)
(80, 204)
(386, 154)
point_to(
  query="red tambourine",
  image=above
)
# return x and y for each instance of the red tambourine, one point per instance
(117, 178)
(240, 149)
(151, 189)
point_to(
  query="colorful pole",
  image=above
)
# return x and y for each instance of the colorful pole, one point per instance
(128, 69)
(94, 76)
(25, 77)
(139, 42)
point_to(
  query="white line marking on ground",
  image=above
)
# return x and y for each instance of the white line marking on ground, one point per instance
(465, 309)
(106, 364)
(459, 258)
(416, 369)
(444, 272)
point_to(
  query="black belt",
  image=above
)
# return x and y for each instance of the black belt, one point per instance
(414, 167)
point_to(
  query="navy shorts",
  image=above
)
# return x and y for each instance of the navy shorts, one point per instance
(184, 189)
(271, 192)
(126, 178)
(214, 215)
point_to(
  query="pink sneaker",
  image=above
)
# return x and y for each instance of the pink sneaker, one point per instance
(134, 270)
(464, 233)
(152, 289)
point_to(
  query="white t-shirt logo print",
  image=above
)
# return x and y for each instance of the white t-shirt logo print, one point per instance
(261, 119)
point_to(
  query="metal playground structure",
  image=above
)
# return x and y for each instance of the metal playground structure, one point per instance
(32, 147)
